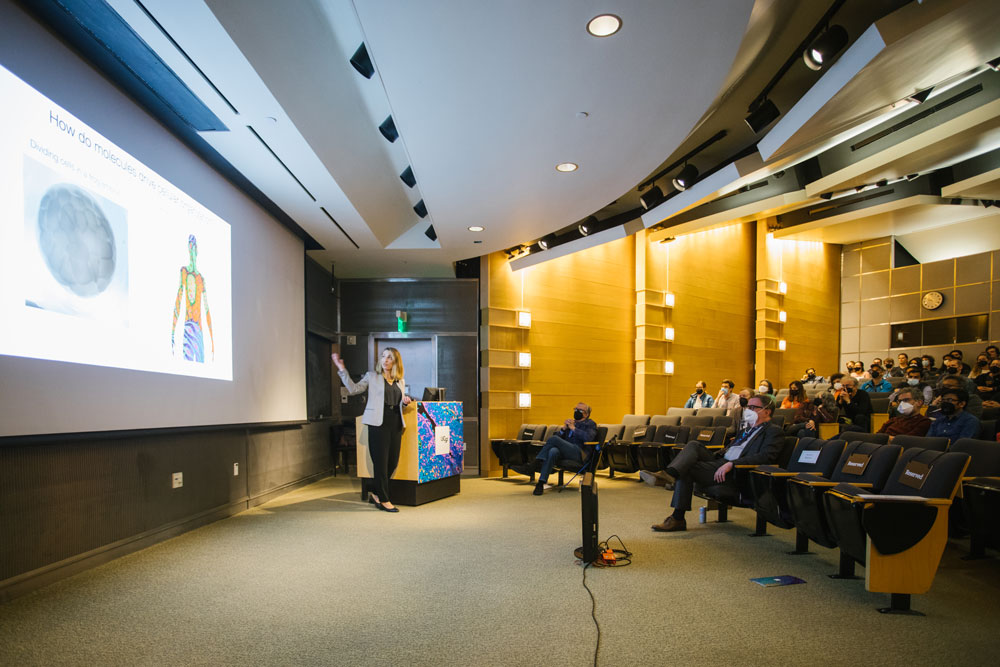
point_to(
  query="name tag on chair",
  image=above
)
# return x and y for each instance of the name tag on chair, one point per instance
(529, 434)
(669, 437)
(915, 474)
(639, 433)
(856, 464)
(809, 456)
(705, 435)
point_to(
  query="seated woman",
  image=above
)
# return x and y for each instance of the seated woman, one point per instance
(809, 414)
(796, 395)
(766, 388)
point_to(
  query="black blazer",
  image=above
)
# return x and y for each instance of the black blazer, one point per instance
(763, 448)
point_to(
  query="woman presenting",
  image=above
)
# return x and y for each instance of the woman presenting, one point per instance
(384, 418)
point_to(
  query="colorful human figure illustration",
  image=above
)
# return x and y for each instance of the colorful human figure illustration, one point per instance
(193, 286)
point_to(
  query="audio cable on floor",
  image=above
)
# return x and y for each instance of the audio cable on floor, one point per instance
(608, 558)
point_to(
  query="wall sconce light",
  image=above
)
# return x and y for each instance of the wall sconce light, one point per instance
(523, 399)
(668, 299)
(781, 344)
(668, 333)
(524, 319)
(668, 367)
(782, 316)
(524, 359)
(400, 320)
(782, 288)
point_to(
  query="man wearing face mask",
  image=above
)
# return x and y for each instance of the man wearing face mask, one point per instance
(908, 420)
(974, 404)
(567, 443)
(810, 379)
(914, 382)
(727, 399)
(988, 385)
(894, 371)
(699, 399)
(963, 368)
(855, 405)
(759, 442)
(951, 420)
(877, 383)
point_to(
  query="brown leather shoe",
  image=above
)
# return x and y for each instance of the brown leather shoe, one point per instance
(670, 525)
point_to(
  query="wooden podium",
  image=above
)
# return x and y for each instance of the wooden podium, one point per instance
(431, 453)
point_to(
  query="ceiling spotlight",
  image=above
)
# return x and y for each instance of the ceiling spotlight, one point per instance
(587, 226)
(408, 177)
(604, 25)
(567, 167)
(476, 228)
(652, 198)
(388, 129)
(912, 177)
(825, 47)
(762, 115)
(430, 233)
(546, 241)
(362, 62)
(994, 64)
(420, 209)
(918, 98)
(686, 178)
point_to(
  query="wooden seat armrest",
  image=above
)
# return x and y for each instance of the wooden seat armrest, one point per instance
(817, 483)
(744, 467)
(875, 498)
(777, 474)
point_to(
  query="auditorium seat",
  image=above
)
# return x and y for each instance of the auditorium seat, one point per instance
(723, 421)
(896, 381)
(973, 513)
(871, 464)
(981, 500)
(710, 412)
(696, 421)
(573, 466)
(725, 496)
(621, 455)
(660, 420)
(778, 420)
(681, 412)
(769, 483)
(880, 405)
(511, 451)
(899, 534)
(879, 394)
(786, 414)
(877, 438)
(923, 442)
(654, 456)
(988, 429)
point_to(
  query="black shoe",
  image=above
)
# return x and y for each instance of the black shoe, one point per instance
(386, 509)
(539, 489)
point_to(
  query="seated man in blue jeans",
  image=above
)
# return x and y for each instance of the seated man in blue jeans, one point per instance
(567, 443)
(758, 443)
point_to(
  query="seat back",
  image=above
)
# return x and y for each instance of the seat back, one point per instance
(880, 406)
(785, 455)
(877, 438)
(940, 481)
(529, 431)
(660, 420)
(786, 413)
(710, 412)
(985, 456)
(878, 463)
(610, 431)
(723, 421)
(778, 420)
(671, 434)
(680, 412)
(708, 435)
(639, 433)
(781, 393)
(875, 395)
(923, 442)
(695, 421)
(987, 428)
(815, 455)
(635, 420)
(897, 381)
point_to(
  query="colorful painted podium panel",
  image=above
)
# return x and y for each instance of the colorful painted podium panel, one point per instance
(431, 453)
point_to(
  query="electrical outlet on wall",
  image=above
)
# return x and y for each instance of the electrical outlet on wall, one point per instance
(236, 469)
(177, 480)
(352, 340)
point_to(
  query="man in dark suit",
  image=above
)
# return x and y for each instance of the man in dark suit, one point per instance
(759, 442)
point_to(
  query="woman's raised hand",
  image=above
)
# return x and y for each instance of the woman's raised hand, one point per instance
(338, 362)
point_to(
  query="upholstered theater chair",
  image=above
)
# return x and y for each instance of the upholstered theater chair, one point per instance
(979, 510)
(899, 535)
(922, 442)
(723, 496)
(769, 483)
(595, 448)
(864, 464)
(622, 454)
(513, 451)
(656, 455)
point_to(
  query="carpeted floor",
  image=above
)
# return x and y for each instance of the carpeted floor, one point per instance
(487, 577)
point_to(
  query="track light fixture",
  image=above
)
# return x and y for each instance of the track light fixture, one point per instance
(546, 241)
(994, 64)
(818, 54)
(587, 226)
(362, 62)
(652, 198)
(762, 114)
(420, 209)
(686, 178)
(918, 98)
(388, 129)
(408, 177)
(430, 233)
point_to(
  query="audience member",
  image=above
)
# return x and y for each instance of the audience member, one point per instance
(988, 385)
(765, 387)
(981, 367)
(959, 356)
(952, 420)
(759, 442)
(567, 443)
(913, 381)
(813, 412)
(796, 396)
(877, 383)
(727, 398)
(700, 399)
(902, 361)
(974, 404)
(855, 406)
(811, 379)
(857, 371)
(890, 369)
(738, 413)
(993, 352)
(927, 363)
(908, 420)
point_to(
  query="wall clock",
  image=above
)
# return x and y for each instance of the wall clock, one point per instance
(932, 300)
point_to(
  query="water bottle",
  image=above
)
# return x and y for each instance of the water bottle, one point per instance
(701, 514)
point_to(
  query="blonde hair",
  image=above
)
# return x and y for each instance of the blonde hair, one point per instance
(397, 363)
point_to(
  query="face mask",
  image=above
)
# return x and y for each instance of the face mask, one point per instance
(699, 391)
(876, 375)
(925, 363)
(952, 369)
(811, 375)
(888, 364)
(750, 418)
(913, 382)
(947, 408)
(981, 363)
(904, 408)
(744, 401)
(762, 389)
(995, 369)
(837, 386)
(578, 414)
(725, 390)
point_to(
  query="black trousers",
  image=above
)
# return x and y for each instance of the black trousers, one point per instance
(383, 444)
(694, 465)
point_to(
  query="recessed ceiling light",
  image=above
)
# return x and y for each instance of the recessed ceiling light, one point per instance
(476, 228)
(604, 25)
(567, 166)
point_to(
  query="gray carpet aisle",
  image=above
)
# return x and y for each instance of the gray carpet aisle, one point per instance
(487, 577)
